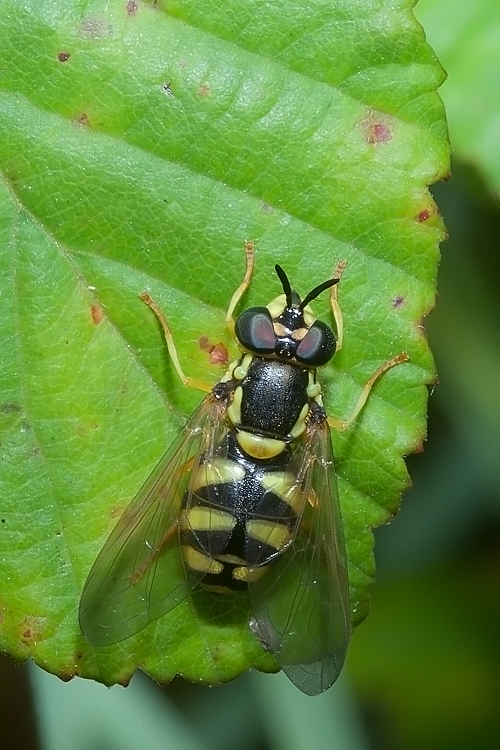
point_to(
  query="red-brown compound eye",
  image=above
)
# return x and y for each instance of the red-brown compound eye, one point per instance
(318, 345)
(254, 330)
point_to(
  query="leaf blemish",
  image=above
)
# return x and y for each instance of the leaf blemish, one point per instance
(424, 215)
(378, 133)
(63, 56)
(32, 630)
(218, 354)
(96, 314)
(10, 407)
(204, 344)
(398, 302)
(204, 90)
(132, 7)
(167, 89)
(83, 119)
(95, 28)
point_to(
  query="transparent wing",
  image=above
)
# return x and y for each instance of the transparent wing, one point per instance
(139, 574)
(301, 604)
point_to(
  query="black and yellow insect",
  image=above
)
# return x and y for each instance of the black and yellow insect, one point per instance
(245, 499)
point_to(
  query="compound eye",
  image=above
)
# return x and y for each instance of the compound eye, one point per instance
(318, 345)
(254, 330)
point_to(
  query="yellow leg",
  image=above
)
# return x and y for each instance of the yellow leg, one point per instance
(334, 304)
(187, 381)
(341, 424)
(250, 252)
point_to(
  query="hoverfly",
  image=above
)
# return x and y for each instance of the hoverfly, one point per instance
(245, 498)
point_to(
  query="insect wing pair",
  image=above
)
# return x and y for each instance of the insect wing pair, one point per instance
(300, 603)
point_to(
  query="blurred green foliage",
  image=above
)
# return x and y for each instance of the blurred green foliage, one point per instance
(425, 664)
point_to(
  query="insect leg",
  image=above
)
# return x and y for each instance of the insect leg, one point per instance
(187, 381)
(343, 424)
(249, 250)
(334, 304)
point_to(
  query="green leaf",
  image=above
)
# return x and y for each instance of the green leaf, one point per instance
(140, 146)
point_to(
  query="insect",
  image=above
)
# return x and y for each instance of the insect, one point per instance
(245, 498)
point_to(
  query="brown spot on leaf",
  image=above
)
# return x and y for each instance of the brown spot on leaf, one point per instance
(376, 127)
(167, 89)
(32, 630)
(378, 133)
(218, 354)
(10, 407)
(83, 119)
(204, 90)
(63, 56)
(204, 344)
(132, 7)
(424, 215)
(97, 314)
(398, 302)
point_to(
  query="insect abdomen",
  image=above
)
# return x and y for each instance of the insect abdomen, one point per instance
(235, 528)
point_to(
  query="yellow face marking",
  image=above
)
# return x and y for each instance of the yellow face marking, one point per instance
(276, 306)
(280, 330)
(270, 532)
(286, 488)
(247, 574)
(219, 471)
(309, 316)
(198, 561)
(258, 446)
(299, 334)
(300, 424)
(234, 408)
(208, 519)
